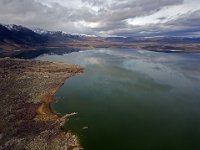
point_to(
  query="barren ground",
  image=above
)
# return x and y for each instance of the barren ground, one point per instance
(27, 88)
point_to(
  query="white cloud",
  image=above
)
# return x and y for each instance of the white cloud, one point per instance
(124, 17)
(73, 4)
(166, 14)
(88, 24)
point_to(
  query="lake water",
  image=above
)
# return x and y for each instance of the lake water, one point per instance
(132, 99)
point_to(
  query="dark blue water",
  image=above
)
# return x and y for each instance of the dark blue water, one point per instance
(132, 99)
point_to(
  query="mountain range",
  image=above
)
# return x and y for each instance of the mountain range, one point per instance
(20, 38)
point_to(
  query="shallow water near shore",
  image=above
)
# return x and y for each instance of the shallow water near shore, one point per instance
(132, 99)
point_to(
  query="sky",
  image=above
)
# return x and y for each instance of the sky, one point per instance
(106, 17)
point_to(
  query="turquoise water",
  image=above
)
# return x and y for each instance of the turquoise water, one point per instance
(132, 99)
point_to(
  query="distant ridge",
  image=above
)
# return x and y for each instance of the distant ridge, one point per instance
(16, 37)
(19, 37)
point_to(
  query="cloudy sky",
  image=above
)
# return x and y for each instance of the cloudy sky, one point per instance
(106, 17)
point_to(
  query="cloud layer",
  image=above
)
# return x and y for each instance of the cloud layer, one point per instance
(110, 17)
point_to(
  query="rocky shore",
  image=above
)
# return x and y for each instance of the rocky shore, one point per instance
(27, 87)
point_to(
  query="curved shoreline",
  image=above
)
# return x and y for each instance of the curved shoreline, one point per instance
(46, 113)
(27, 90)
(45, 107)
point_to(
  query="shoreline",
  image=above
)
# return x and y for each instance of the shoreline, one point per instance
(27, 89)
(74, 47)
(45, 107)
(45, 111)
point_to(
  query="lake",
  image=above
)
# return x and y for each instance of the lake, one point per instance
(132, 99)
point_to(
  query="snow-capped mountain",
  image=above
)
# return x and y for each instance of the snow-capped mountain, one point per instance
(17, 28)
(40, 31)
(9, 26)
(44, 32)
(13, 27)
(20, 37)
(15, 37)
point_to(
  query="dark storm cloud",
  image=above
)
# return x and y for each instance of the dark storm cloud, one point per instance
(113, 17)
